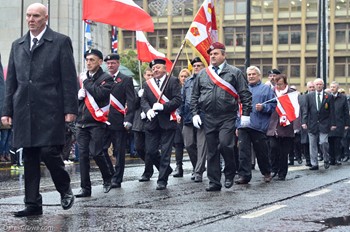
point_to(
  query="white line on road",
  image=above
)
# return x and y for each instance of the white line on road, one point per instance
(263, 211)
(317, 193)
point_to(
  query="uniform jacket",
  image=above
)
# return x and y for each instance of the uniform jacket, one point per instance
(213, 100)
(318, 121)
(99, 86)
(41, 87)
(341, 111)
(123, 90)
(275, 128)
(2, 86)
(185, 109)
(162, 119)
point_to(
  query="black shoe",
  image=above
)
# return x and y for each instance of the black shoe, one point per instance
(144, 179)
(320, 158)
(346, 158)
(179, 172)
(291, 163)
(29, 211)
(83, 193)
(273, 174)
(213, 188)
(313, 168)
(281, 178)
(198, 178)
(241, 180)
(326, 165)
(107, 187)
(193, 177)
(308, 164)
(116, 185)
(228, 183)
(161, 186)
(67, 200)
(300, 161)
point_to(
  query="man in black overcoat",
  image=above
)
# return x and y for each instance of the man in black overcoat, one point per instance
(41, 95)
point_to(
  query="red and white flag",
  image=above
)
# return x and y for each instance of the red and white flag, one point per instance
(203, 30)
(125, 14)
(288, 108)
(147, 53)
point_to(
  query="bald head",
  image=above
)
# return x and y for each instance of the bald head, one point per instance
(36, 17)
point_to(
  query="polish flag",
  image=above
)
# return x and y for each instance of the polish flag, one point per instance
(125, 14)
(288, 107)
(203, 30)
(147, 53)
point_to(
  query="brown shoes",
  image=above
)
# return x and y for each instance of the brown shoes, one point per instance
(267, 178)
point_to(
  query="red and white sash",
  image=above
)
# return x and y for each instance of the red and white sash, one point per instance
(156, 92)
(99, 114)
(117, 105)
(225, 86)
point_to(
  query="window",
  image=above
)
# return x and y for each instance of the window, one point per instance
(289, 34)
(158, 39)
(311, 64)
(340, 30)
(340, 67)
(229, 7)
(178, 35)
(255, 38)
(282, 37)
(128, 39)
(234, 36)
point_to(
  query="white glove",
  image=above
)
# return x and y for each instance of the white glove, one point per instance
(127, 125)
(143, 115)
(150, 114)
(83, 76)
(81, 94)
(140, 92)
(197, 122)
(245, 121)
(158, 106)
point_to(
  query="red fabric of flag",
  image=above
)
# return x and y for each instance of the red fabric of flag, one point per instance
(125, 14)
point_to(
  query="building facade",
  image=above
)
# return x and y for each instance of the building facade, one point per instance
(283, 33)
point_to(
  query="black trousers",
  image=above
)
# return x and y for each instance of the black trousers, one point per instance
(51, 156)
(118, 139)
(279, 150)
(220, 135)
(334, 149)
(139, 139)
(90, 140)
(164, 140)
(246, 138)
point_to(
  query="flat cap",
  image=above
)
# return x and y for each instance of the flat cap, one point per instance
(216, 45)
(94, 52)
(112, 56)
(156, 61)
(274, 71)
(195, 60)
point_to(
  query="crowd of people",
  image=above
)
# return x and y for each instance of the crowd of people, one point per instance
(224, 118)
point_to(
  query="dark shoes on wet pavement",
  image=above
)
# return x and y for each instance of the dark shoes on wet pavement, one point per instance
(67, 200)
(29, 211)
(144, 179)
(83, 193)
(213, 188)
(161, 186)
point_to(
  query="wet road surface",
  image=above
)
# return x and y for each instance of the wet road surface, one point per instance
(306, 201)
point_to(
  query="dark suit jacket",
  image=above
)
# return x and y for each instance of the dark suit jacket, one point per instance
(41, 87)
(2, 86)
(318, 121)
(123, 90)
(342, 119)
(162, 119)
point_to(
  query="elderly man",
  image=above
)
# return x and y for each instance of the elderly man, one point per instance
(216, 93)
(255, 133)
(161, 97)
(319, 118)
(41, 95)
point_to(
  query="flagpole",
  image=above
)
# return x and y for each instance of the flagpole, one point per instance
(172, 69)
(140, 74)
(83, 47)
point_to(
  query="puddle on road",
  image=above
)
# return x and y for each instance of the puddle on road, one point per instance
(335, 221)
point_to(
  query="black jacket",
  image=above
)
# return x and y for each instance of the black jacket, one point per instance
(99, 86)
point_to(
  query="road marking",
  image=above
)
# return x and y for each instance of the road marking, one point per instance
(263, 211)
(297, 168)
(317, 193)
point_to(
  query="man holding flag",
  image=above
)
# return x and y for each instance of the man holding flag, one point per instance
(161, 97)
(217, 92)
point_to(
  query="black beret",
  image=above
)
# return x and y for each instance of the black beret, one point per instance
(274, 71)
(195, 60)
(156, 61)
(94, 52)
(216, 45)
(112, 56)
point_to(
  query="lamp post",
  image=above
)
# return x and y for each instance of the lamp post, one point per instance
(247, 32)
(322, 48)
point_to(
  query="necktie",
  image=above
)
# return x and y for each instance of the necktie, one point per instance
(318, 101)
(157, 82)
(35, 41)
(216, 69)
